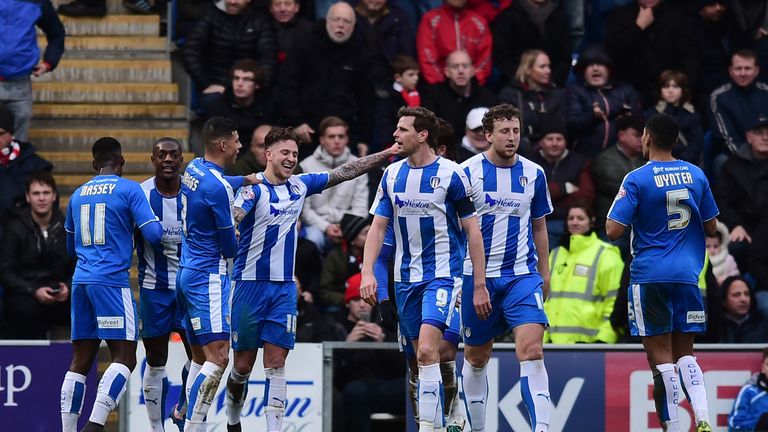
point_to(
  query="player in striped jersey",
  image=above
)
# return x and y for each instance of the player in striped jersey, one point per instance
(511, 197)
(159, 311)
(101, 217)
(428, 199)
(264, 299)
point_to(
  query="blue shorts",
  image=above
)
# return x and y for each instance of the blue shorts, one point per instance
(659, 308)
(103, 312)
(206, 299)
(159, 312)
(515, 301)
(431, 302)
(263, 311)
(452, 334)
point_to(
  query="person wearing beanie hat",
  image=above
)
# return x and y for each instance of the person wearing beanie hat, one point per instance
(594, 102)
(17, 161)
(567, 173)
(352, 225)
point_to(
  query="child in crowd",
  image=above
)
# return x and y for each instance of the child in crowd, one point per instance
(723, 264)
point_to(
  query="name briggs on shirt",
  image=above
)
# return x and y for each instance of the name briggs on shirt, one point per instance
(190, 181)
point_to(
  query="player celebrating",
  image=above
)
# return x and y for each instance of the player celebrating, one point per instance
(209, 239)
(670, 206)
(100, 222)
(511, 198)
(159, 311)
(264, 301)
(428, 199)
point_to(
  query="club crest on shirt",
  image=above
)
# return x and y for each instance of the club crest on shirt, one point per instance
(295, 189)
(434, 181)
(523, 181)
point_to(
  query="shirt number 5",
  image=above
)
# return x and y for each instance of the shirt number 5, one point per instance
(675, 208)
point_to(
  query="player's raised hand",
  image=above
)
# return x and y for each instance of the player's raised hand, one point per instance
(368, 288)
(251, 179)
(482, 301)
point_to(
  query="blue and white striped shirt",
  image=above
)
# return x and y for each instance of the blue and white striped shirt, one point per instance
(159, 271)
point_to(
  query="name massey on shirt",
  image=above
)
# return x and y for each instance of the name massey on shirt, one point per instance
(97, 189)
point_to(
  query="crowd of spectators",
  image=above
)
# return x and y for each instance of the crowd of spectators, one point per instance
(584, 80)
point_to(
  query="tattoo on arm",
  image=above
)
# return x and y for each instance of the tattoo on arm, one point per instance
(355, 168)
(239, 215)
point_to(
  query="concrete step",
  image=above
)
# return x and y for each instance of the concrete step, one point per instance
(113, 6)
(80, 162)
(109, 111)
(105, 92)
(82, 138)
(87, 70)
(135, 25)
(76, 180)
(105, 45)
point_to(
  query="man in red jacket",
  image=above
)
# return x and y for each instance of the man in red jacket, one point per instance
(448, 28)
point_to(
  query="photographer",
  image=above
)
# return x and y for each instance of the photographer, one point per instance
(749, 411)
(370, 380)
(35, 269)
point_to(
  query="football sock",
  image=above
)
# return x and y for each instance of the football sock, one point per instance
(534, 385)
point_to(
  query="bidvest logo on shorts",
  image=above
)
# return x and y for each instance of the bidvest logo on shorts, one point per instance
(695, 317)
(115, 322)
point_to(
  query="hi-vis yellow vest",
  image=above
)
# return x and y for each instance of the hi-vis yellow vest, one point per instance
(584, 284)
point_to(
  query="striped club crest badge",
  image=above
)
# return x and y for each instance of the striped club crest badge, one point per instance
(523, 181)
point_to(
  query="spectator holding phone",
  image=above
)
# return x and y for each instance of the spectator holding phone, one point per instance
(35, 268)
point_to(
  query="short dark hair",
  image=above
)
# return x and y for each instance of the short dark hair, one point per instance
(744, 53)
(216, 129)
(402, 63)
(331, 121)
(499, 112)
(663, 130)
(680, 78)
(446, 137)
(174, 141)
(630, 121)
(424, 120)
(106, 150)
(249, 65)
(278, 134)
(43, 177)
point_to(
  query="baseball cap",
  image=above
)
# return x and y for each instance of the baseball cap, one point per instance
(475, 117)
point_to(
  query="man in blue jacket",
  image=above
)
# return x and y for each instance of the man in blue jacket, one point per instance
(20, 56)
(749, 410)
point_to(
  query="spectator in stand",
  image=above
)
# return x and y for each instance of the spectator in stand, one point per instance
(18, 160)
(20, 56)
(713, 36)
(247, 101)
(343, 261)
(723, 264)
(595, 101)
(288, 26)
(447, 29)
(674, 98)
(751, 29)
(742, 322)
(255, 160)
(474, 141)
(227, 32)
(370, 380)
(488, 9)
(736, 106)
(387, 34)
(742, 196)
(311, 325)
(323, 212)
(750, 409)
(35, 268)
(187, 14)
(647, 37)
(533, 93)
(326, 74)
(403, 91)
(567, 173)
(613, 163)
(454, 98)
(532, 25)
(586, 275)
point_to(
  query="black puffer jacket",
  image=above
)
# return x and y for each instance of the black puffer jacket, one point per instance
(14, 176)
(321, 78)
(533, 104)
(29, 259)
(219, 40)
